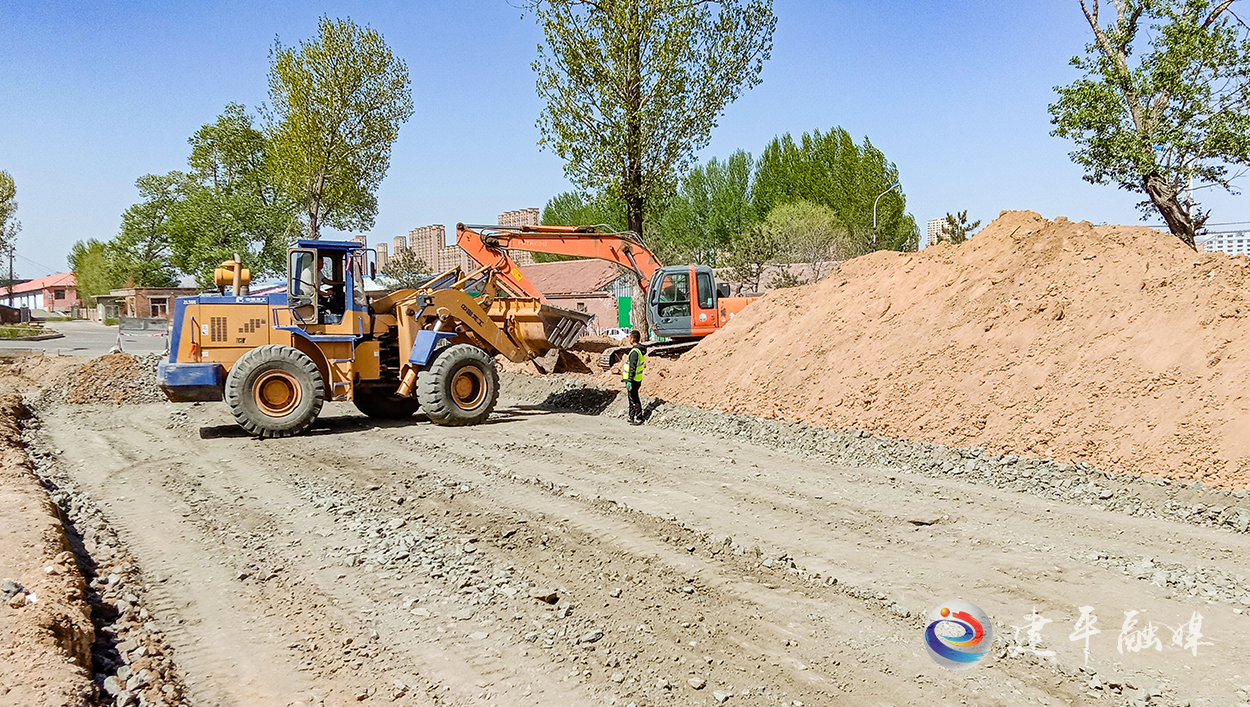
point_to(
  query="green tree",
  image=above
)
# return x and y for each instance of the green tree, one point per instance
(91, 270)
(141, 254)
(232, 202)
(405, 271)
(811, 233)
(956, 228)
(573, 208)
(1165, 101)
(751, 252)
(830, 169)
(783, 278)
(336, 106)
(711, 207)
(633, 88)
(9, 225)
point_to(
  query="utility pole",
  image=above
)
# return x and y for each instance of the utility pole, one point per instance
(10, 275)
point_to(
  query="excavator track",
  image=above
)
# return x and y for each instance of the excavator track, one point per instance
(662, 349)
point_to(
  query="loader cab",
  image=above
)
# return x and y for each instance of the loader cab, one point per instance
(683, 302)
(325, 287)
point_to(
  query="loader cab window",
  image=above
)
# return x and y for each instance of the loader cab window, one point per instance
(302, 283)
(707, 293)
(675, 295)
(357, 267)
(332, 287)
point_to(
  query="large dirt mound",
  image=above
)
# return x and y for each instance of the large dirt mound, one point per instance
(1114, 345)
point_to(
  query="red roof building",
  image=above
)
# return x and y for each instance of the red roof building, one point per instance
(54, 293)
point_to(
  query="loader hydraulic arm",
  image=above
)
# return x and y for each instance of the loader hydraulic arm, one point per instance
(488, 244)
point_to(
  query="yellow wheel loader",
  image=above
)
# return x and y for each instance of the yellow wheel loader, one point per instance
(275, 358)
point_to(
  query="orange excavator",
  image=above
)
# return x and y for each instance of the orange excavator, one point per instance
(684, 302)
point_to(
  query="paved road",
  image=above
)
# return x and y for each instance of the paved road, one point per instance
(83, 338)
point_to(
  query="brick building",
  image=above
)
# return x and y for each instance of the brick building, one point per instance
(140, 302)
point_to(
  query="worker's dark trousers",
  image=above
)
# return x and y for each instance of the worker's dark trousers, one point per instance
(635, 403)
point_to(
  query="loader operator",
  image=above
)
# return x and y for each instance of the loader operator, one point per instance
(332, 290)
(631, 373)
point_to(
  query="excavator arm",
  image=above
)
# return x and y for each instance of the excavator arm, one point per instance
(490, 244)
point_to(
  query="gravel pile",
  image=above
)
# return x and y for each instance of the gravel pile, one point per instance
(118, 378)
(132, 661)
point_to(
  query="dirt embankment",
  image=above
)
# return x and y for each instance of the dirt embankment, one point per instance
(45, 625)
(1113, 345)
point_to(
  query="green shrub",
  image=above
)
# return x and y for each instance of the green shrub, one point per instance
(18, 331)
(111, 321)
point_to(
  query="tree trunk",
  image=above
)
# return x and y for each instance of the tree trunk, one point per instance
(635, 201)
(1167, 201)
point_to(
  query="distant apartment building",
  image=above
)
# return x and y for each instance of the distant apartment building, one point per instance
(429, 243)
(933, 233)
(1231, 242)
(520, 217)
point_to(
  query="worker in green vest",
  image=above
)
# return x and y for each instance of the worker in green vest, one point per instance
(631, 373)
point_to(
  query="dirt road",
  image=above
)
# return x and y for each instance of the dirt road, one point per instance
(556, 558)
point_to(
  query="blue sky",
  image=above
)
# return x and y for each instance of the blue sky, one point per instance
(93, 95)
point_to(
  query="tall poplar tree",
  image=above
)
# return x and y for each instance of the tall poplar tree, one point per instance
(634, 87)
(336, 104)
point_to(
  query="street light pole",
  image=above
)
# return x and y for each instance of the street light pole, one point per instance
(893, 186)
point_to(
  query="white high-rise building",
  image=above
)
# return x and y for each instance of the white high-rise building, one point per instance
(933, 232)
(1231, 242)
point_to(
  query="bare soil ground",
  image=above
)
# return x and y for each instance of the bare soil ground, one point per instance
(552, 557)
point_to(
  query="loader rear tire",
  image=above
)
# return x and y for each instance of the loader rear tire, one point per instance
(460, 387)
(384, 404)
(275, 391)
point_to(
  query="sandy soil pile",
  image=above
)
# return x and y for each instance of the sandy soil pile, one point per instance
(45, 626)
(1114, 345)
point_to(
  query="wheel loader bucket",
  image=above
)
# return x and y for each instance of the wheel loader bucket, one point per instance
(539, 327)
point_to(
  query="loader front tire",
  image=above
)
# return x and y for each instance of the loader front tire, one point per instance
(384, 404)
(460, 387)
(275, 391)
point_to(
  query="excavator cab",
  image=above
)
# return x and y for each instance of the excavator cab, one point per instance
(684, 302)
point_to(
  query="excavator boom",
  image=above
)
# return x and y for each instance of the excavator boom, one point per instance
(490, 244)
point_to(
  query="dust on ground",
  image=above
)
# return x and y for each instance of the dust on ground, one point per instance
(1112, 345)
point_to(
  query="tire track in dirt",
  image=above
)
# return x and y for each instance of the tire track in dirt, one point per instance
(581, 506)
